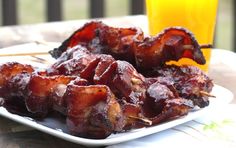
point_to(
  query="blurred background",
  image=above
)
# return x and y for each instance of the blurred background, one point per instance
(33, 11)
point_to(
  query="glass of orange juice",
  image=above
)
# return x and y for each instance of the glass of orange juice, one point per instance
(198, 16)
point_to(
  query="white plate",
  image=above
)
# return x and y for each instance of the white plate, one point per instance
(56, 127)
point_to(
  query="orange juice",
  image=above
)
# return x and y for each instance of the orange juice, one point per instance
(198, 16)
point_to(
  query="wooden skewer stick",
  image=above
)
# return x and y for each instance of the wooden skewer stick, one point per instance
(201, 46)
(46, 53)
(188, 47)
(24, 54)
(204, 93)
(40, 60)
(49, 44)
(206, 46)
(146, 121)
(41, 42)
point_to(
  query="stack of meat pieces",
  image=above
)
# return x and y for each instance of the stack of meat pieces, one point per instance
(109, 80)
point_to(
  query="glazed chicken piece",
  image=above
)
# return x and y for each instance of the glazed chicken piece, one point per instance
(92, 111)
(57, 95)
(157, 94)
(163, 103)
(44, 92)
(10, 70)
(128, 83)
(171, 44)
(105, 70)
(79, 62)
(72, 62)
(100, 38)
(189, 81)
(119, 42)
(13, 77)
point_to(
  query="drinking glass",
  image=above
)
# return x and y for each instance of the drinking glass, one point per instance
(198, 16)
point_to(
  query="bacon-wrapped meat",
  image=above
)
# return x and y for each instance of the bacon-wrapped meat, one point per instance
(93, 111)
(98, 93)
(189, 81)
(163, 103)
(14, 77)
(129, 44)
(171, 44)
(11, 70)
(41, 90)
(100, 38)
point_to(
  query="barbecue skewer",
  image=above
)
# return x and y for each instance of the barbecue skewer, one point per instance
(46, 53)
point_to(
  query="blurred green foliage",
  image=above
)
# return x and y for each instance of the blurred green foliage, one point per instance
(224, 26)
